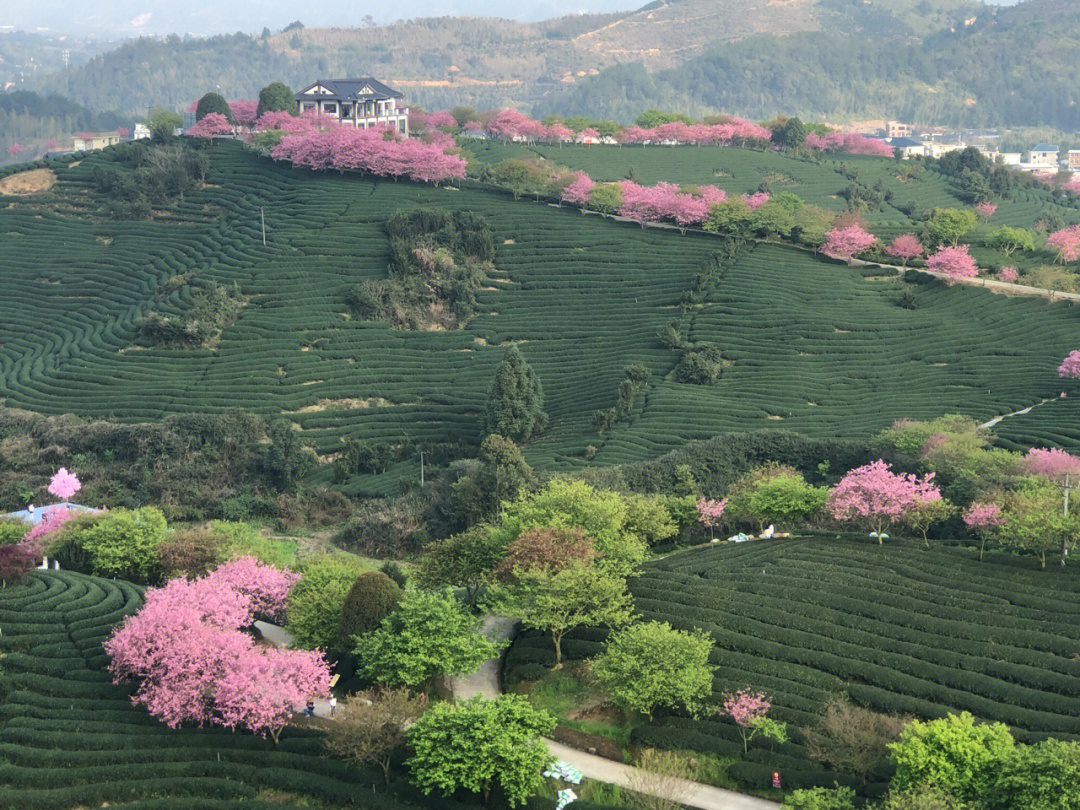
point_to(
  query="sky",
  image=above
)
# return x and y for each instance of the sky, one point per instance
(156, 17)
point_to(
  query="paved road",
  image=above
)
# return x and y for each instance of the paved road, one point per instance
(485, 682)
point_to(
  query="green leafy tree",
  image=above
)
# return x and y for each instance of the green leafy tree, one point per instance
(314, 607)
(604, 515)
(430, 635)
(124, 543)
(162, 124)
(953, 753)
(651, 664)
(924, 515)
(372, 597)
(516, 400)
(212, 103)
(503, 471)
(287, 457)
(463, 561)
(1044, 776)
(481, 745)
(853, 739)
(1035, 521)
(820, 798)
(12, 531)
(276, 96)
(1009, 240)
(791, 134)
(606, 197)
(922, 797)
(579, 595)
(947, 225)
(775, 494)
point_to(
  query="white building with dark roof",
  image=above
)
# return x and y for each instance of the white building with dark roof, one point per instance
(363, 103)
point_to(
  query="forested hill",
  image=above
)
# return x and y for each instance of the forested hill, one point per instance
(957, 62)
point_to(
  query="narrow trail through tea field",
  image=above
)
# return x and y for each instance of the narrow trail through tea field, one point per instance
(485, 682)
(1020, 412)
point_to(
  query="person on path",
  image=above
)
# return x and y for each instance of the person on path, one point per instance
(333, 704)
(310, 710)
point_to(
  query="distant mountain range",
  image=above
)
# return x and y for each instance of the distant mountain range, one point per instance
(949, 61)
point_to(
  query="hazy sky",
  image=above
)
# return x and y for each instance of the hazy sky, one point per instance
(132, 17)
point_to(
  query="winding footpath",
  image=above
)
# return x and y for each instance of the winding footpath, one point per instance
(485, 682)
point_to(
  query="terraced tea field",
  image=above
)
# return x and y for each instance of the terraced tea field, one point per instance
(740, 171)
(898, 628)
(69, 738)
(813, 346)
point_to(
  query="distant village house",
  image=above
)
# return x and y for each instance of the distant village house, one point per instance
(360, 103)
(89, 141)
(1044, 154)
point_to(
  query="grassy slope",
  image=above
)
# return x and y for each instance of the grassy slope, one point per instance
(584, 296)
(899, 628)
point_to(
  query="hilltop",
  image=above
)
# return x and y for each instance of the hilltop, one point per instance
(933, 62)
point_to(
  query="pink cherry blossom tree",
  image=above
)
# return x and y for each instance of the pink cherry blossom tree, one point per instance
(749, 709)
(211, 125)
(986, 209)
(845, 242)
(64, 484)
(709, 513)
(875, 496)
(579, 190)
(1008, 274)
(588, 135)
(244, 112)
(1066, 242)
(1070, 366)
(982, 519)
(954, 262)
(905, 247)
(51, 144)
(193, 664)
(122, 132)
(755, 200)
(16, 149)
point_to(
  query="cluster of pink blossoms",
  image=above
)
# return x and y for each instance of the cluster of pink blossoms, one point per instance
(377, 151)
(953, 261)
(193, 662)
(211, 125)
(1070, 366)
(850, 142)
(846, 242)
(710, 511)
(1066, 242)
(667, 201)
(875, 495)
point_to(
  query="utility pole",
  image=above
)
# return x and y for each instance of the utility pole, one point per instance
(421, 469)
(262, 219)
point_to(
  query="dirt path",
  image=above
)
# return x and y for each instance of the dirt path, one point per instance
(485, 682)
(1020, 412)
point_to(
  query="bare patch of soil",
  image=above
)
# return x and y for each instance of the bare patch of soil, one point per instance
(35, 181)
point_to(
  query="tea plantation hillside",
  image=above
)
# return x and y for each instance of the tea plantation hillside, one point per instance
(69, 738)
(898, 628)
(740, 170)
(809, 345)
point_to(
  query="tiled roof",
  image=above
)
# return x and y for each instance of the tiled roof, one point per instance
(351, 90)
